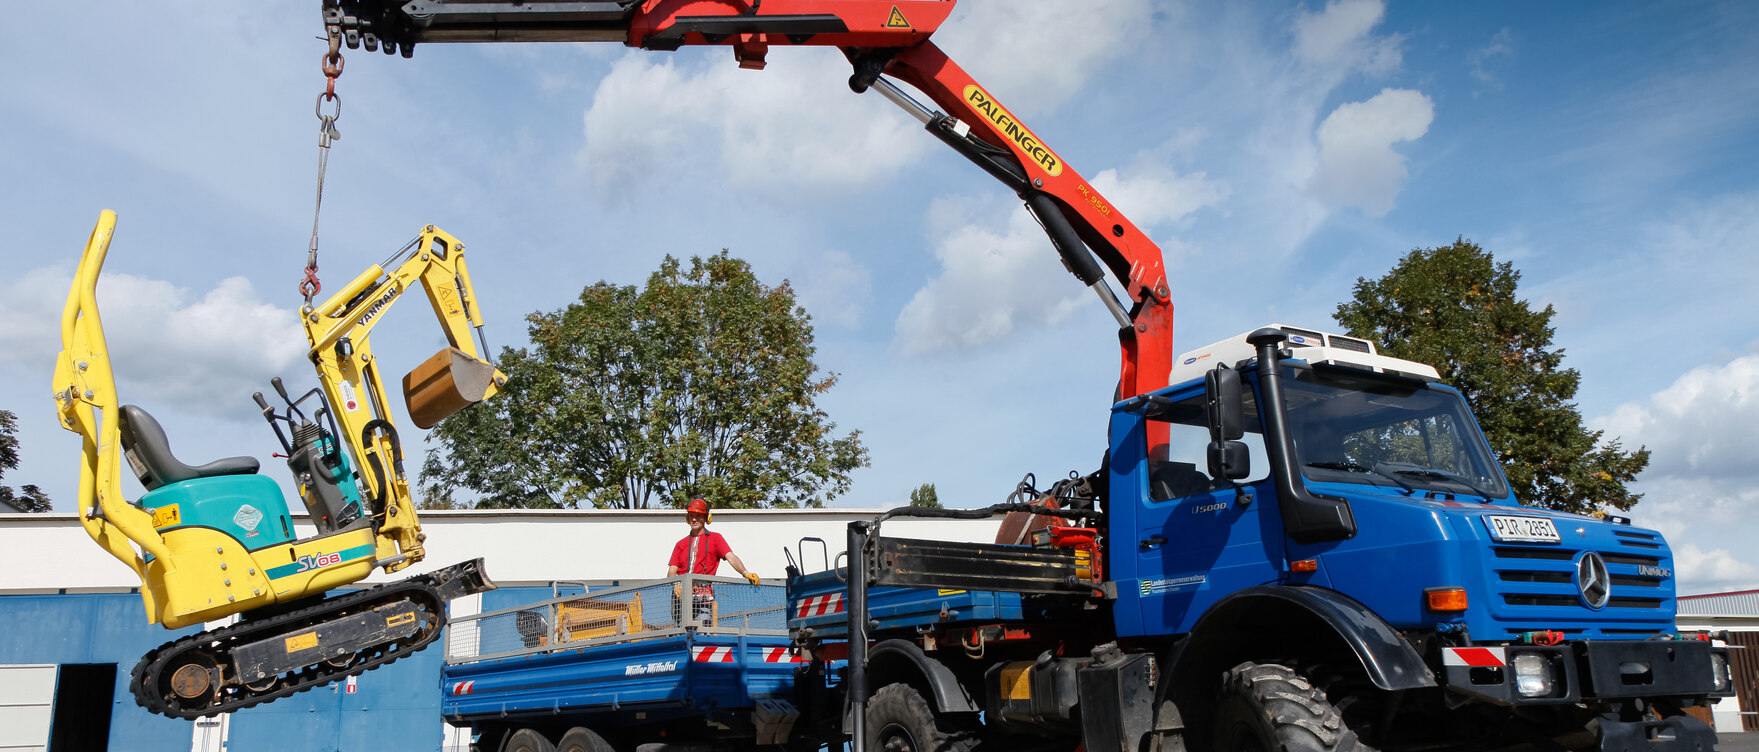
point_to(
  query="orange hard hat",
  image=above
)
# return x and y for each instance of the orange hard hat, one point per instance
(696, 506)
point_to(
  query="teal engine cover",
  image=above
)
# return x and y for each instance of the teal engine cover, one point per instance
(250, 508)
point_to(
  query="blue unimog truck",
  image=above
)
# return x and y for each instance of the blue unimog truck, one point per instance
(1300, 545)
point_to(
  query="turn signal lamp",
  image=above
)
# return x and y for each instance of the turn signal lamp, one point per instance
(1445, 598)
(1304, 565)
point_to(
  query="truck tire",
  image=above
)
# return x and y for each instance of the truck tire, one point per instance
(527, 740)
(899, 720)
(583, 739)
(1270, 708)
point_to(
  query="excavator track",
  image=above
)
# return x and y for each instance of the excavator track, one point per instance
(221, 670)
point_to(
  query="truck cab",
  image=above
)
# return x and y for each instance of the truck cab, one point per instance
(1350, 519)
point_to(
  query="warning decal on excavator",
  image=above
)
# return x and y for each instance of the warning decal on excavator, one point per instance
(896, 20)
(1005, 123)
(400, 619)
(300, 642)
(166, 516)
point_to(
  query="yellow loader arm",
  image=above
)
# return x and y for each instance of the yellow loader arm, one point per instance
(455, 377)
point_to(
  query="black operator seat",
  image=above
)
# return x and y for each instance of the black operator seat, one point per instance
(149, 453)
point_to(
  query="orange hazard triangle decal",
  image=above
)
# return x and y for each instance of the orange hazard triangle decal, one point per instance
(896, 20)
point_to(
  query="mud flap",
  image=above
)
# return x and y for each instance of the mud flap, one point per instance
(449, 381)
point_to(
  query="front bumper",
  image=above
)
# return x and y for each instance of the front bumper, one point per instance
(1588, 671)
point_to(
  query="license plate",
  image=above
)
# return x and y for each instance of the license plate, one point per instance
(1532, 529)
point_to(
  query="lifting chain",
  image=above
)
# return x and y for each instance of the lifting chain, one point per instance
(332, 65)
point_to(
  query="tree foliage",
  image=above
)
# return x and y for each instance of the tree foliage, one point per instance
(924, 496)
(28, 498)
(1455, 307)
(702, 384)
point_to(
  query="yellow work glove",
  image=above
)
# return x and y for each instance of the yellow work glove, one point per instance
(752, 576)
(677, 590)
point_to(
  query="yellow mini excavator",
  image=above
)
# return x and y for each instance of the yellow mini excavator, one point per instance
(216, 540)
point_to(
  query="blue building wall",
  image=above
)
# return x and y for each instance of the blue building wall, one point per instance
(95, 628)
(394, 707)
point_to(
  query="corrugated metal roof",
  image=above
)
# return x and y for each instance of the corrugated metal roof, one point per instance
(1739, 603)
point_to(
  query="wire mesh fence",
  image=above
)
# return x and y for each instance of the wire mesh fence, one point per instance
(651, 609)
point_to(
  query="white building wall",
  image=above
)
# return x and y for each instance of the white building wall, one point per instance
(51, 551)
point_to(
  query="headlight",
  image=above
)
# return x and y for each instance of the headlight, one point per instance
(1532, 675)
(1719, 672)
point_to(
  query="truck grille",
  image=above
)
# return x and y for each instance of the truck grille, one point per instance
(1535, 587)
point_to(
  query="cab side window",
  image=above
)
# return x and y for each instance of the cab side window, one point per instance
(1180, 467)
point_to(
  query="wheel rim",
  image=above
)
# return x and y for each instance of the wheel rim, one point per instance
(895, 738)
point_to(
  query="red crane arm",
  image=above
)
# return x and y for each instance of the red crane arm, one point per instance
(888, 37)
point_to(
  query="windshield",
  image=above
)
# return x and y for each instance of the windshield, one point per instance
(1354, 428)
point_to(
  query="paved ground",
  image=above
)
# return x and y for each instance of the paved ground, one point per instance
(1748, 742)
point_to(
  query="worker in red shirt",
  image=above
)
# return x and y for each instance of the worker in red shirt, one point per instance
(701, 552)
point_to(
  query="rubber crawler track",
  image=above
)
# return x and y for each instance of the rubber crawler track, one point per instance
(144, 680)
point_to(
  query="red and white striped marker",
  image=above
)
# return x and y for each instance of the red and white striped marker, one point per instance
(1474, 657)
(711, 655)
(464, 687)
(781, 655)
(819, 605)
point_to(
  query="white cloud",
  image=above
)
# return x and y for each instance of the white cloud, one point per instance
(834, 289)
(1709, 571)
(1485, 61)
(1700, 426)
(1702, 482)
(1357, 164)
(168, 349)
(1338, 37)
(998, 273)
(991, 280)
(1003, 45)
(793, 123)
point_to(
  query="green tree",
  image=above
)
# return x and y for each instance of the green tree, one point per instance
(701, 384)
(924, 496)
(1455, 307)
(28, 498)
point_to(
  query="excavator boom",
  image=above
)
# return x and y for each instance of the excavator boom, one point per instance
(881, 39)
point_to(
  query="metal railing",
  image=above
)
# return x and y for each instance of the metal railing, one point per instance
(657, 608)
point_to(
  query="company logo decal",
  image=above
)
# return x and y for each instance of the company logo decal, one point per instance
(1593, 580)
(319, 560)
(378, 305)
(1004, 121)
(248, 518)
(1171, 584)
(655, 667)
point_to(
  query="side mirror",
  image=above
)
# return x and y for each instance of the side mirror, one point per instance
(1225, 408)
(1229, 459)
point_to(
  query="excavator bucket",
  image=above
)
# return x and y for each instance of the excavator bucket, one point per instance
(447, 383)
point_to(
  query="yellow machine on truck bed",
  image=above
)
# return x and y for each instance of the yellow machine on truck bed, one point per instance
(216, 540)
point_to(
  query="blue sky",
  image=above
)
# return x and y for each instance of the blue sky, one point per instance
(1276, 152)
